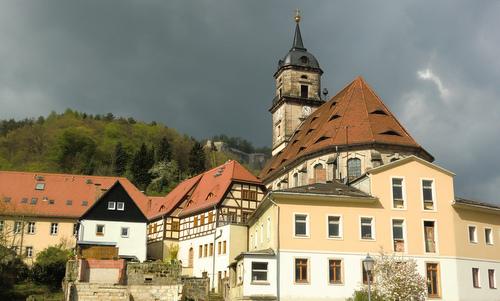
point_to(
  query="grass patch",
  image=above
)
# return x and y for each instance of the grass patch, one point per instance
(23, 290)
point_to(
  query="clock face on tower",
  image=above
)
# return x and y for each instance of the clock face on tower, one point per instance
(306, 110)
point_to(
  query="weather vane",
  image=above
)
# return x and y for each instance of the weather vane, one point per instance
(297, 15)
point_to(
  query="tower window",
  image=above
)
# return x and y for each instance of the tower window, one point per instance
(304, 91)
(303, 76)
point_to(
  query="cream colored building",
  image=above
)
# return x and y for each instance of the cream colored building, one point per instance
(320, 233)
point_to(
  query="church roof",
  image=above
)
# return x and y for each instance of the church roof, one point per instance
(356, 107)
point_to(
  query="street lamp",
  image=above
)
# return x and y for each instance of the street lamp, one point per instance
(368, 264)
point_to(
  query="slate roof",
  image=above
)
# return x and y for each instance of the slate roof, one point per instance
(333, 188)
(18, 189)
(459, 200)
(357, 107)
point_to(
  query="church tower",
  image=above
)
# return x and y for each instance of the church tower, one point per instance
(298, 90)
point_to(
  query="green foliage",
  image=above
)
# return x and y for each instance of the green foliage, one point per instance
(76, 150)
(172, 252)
(140, 166)
(197, 159)
(362, 295)
(12, 269)
(120, 160)
(165, 176)
(164, 151)
(50, 266)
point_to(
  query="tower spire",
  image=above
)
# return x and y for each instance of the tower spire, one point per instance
(297, 39)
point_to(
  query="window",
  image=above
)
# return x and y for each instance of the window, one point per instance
(433, 282)
(210, 217)
(17, 227)
(319, 173)
(6, 199)
(398, 235)
(353, 168)
(34, 201)
(99, 230)
(397, 193)
(219, 248)
(195, 221)
(29, 252)
(111, 205)
(334, 227)
(2, 223)
(488, 236)
(51, 202)
(245, 216)
(365, 274)
(40, 186)
(211, 250)
(205, 250)
(202, 220)
(249, 194)
(259, 271)
(224, 245)
(301, 225)
(75, 229)
(175, 225)
(429, 237)
(200, 251)
(472, 234)
(491, 279)
(427, 194)
(124, 232)
(301, 270)
(24, 200)
(335, 271)
(69, 202)
(475, 278)
(120, 206)
(367, 228)
(54, 227)
(31, 228)
(295, 179)
(304, 91)
(85, 203)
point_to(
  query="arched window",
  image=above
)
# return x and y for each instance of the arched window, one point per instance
(190, 259)
(295, 179)
(354, 168)
(319, 173)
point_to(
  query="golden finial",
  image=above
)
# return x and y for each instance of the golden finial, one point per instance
(297, 15)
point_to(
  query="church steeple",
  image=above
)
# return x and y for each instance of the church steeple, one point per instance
(298, 86)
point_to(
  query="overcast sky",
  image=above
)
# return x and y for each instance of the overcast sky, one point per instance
(205, 67)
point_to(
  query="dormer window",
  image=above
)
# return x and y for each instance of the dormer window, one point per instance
(85, 203)
(303, 76)
(120, 206)
(304, 59)
(24, 200)
(33, 201)
(111, 205)
(40, 186)
(69, 202)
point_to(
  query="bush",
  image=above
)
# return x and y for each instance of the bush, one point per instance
(362, 295)
(50, 266)
(12, 269)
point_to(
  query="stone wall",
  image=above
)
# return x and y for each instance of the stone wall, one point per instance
(195, 289)
(153, 273)
(110, 292)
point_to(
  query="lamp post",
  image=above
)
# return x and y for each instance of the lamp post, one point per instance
(368, 263)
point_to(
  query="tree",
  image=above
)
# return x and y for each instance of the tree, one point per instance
(120, 160)
(164, 151)
(76, 149)
(197, 159)
(141, 164)
(50, 265)
(165, 176)
(397, 278)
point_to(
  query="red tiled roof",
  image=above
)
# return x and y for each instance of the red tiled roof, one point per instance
(59, 188)
(357, 107)
(208, 189)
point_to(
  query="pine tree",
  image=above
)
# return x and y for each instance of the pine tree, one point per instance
(164, 151)
(141, 164)
(120, 160)
(196, 159)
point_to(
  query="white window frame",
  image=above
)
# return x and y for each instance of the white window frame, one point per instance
(405, 239)
(341, 228)
(52, 232)
(31, 228)
(120, 206)
(121, 232)
(478, 277)
(403, 188)
(252, 270)
(436, 238)
(490, 238)
(373, 238)
(40, 186)
(307, 235)
(17, 229)
(111, 205)
(434, 195)
(494, 279)
(475, 241)
(30, 253)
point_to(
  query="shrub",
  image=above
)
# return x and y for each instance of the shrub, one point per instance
(50, 266)
(12, 269)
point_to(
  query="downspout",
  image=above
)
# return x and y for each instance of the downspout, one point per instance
(277, 251)
(213, 251)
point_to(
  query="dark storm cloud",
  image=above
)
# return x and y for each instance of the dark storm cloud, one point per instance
(206, 67)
